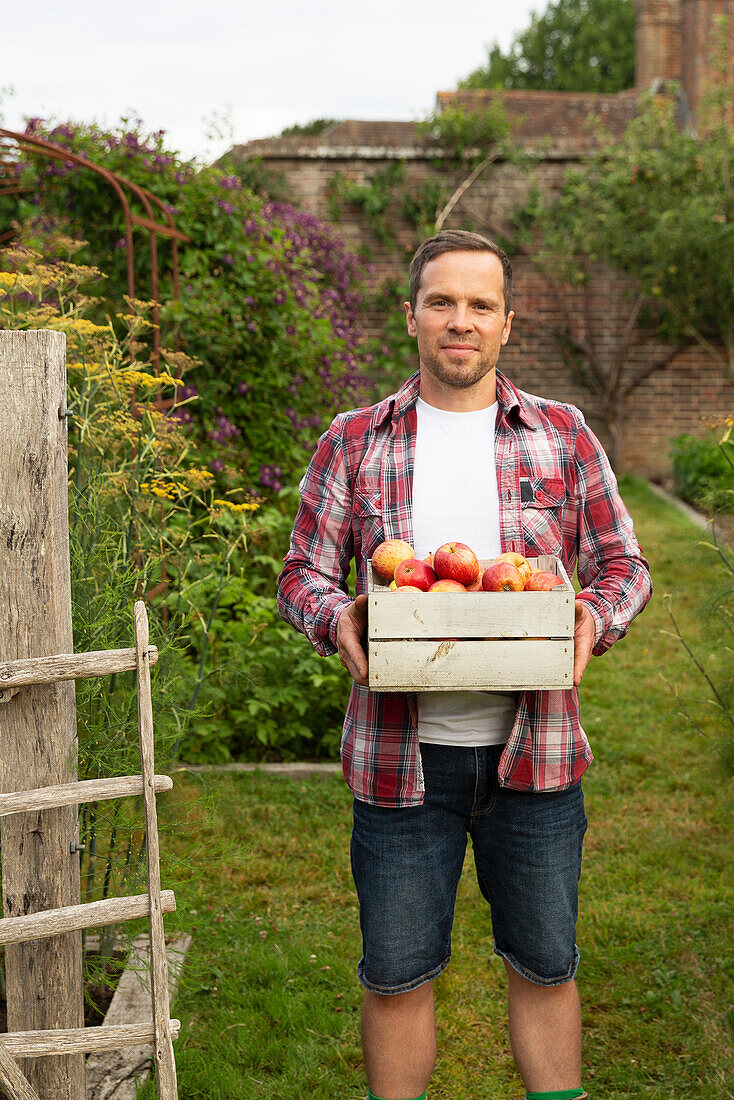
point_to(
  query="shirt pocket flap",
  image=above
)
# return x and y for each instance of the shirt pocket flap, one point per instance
(367, 502)
(542, 492)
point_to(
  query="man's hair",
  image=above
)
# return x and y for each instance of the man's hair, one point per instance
(457, 240)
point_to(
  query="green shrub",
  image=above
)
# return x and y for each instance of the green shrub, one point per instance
(703, 472)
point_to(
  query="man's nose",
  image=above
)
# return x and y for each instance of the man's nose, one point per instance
(460, 319)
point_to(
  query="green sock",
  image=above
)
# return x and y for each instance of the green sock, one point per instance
(562, 1094)
(371, 1096)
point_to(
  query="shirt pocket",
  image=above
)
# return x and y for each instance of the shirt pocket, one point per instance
(367, 520)
(542, 504)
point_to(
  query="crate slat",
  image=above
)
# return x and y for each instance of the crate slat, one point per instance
(494, 665)
(471, 614)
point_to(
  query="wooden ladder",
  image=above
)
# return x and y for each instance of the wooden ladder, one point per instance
(15, 675)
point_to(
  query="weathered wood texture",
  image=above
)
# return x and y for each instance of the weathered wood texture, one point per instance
(471, 641)
(39, 1044)
(93, 914)
(16, 1086)
(118, 1074)
(69, 666)
(165, 1066)
(73, 794)
(465, 666)
(38, 725)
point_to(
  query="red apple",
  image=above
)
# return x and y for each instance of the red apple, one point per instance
(477, 586)
(406, 588)
(520, 563)
(429, 559)
(416, 573)
(445, 584)
(388, 555)
(457, 562)
(502, 576)
(542, 582)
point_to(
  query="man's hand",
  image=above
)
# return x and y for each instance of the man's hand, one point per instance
(584, 636)
(349, 630)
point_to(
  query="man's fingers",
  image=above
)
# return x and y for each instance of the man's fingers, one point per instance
(349, 640)
(584, 635)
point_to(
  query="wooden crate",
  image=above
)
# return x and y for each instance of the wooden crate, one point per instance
(474, 641)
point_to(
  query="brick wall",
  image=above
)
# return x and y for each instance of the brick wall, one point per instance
(667, 404)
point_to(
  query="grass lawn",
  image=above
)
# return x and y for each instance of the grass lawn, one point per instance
(269, 1001)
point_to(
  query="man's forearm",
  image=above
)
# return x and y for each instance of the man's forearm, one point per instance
(312, 604)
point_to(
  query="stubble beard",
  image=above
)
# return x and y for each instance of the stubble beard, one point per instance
(460, 375)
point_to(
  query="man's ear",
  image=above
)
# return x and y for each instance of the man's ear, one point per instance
(410, 319)
(507, 328)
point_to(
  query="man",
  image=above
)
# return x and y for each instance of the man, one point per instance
(460, 454)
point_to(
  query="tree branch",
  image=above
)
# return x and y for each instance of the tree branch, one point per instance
(464, 187)
(624, 347)
(657, 364)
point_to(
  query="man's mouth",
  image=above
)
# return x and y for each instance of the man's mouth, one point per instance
(459, 348)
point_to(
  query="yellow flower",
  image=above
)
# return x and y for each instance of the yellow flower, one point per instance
(250, 506)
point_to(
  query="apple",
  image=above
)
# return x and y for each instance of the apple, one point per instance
(457, 562)
(542, 582)
(446, 584)
(416, 573)
(520, 563)
(502, 576)
(406, 588)
(477, 586)
(388, 555)
(429, 559)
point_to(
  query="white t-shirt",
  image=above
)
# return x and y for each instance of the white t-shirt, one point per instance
(455, 499)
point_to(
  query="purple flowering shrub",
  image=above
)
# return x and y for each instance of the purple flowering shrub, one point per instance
(268, 310)
(269, 301)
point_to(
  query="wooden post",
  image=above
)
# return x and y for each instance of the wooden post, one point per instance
(165, 1066)
(13, 1081)
(38, 724)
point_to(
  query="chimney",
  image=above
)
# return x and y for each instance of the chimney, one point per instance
(699, 46)
(657, 42)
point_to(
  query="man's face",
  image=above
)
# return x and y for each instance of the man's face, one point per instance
(459, 317)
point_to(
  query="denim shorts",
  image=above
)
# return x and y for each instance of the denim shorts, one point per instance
(407, 864)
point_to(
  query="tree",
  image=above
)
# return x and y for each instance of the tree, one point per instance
(575, 46)
(657, 207)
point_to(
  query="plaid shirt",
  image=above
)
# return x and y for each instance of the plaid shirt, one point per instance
(558, 495)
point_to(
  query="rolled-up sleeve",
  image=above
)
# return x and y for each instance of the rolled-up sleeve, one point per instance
(312, 586)
(614, 575)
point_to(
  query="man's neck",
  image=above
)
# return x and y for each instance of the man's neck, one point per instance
(456, 398)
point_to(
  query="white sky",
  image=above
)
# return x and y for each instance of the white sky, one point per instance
(248, 68)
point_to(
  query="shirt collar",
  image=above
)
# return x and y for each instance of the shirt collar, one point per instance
(508, 397)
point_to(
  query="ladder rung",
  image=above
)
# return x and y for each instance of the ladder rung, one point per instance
(79, 1040)
(71, 918)
(71, 794)
(69, 666)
